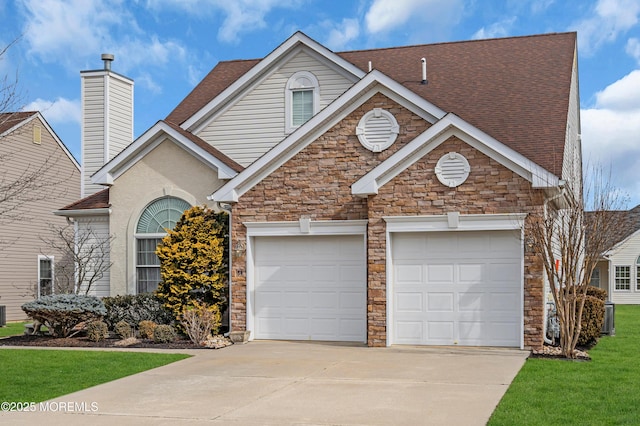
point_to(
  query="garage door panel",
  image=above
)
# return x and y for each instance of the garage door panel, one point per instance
(440, 301)
(471, 273)
(409, 302)
(470, 283)
(470, 301)
(310, 288)
(439, 273)
(440, 332)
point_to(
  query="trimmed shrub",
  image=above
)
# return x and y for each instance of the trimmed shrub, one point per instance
(164, 334)
(135, 308)
(146, 328)
(61, 313)
(199, 321)
(124, 330)
(592, 321)
(597, 292)
(194, 262)
(97, 331)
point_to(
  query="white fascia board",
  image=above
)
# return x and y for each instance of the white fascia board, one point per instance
(265, 64)
(153, 137)
(466, 222)
(452, 125)
(317, 227)
(101, 73)
(83, 212)
(372, 83)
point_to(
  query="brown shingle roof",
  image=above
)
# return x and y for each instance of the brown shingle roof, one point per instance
(627, 222)
(99, 200)
(10, 119)
(515, 89)
(210, 149)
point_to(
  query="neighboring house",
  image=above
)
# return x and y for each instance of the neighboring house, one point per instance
(376, 196)
(618, 271)
(40, 172)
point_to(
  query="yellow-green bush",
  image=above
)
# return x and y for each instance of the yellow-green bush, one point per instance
(194, 262)
(164, 334)
(97, 331)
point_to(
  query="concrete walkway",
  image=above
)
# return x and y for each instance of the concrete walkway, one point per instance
(290, 383)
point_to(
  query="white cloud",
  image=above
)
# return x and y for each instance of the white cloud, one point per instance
(387, 15)
(240, 16)
(59, 111)
(633, 48)
(611, 132)
(341, 34)
(609, 19)
(75, 32)
(539, 6)
(497, 29)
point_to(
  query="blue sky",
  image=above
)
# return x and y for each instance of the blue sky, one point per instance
(167, 46)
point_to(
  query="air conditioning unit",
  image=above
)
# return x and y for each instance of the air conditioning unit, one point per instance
(609, 326)
(3, 315)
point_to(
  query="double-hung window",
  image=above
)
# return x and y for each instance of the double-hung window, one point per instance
(302, 99)
(156, 219)
(45, 275)
(623, 278)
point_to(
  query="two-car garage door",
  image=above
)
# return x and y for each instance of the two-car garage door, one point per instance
(446, 288)
(310, 288)
(457, 288)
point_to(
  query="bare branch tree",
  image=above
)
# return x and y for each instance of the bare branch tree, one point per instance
(84, 260)
(570, 246)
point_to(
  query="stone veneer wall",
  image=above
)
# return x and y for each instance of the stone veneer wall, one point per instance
(317, 183)
(490, 188)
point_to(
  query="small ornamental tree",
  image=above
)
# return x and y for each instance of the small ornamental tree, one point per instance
(194, 262)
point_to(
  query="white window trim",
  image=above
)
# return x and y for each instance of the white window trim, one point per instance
(452, 221)
(53, 273)
(615, 279)
(288, 98)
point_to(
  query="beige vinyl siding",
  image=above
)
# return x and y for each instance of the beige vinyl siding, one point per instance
(625, 255)
(19, 239)
(256, 122)
(572, 161)
(93, 90)
(120, 116)
(103, 94)
(98, 226)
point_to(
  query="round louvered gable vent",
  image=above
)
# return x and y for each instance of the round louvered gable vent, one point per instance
(377, 130)
(452, 169)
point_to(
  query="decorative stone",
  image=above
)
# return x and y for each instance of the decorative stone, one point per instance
(239, 336)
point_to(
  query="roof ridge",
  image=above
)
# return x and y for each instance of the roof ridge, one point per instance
(408, 46)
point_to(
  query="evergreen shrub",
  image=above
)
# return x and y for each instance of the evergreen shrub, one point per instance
(61, 313)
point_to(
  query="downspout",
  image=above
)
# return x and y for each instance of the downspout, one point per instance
(227, 208)
(562, 186)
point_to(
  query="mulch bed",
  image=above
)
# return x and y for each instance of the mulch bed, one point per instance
(83, 342)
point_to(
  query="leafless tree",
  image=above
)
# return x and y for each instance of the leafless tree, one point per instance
(570, 246)
(83, 259)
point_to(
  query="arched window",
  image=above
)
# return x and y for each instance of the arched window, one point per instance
(302, 99)
(160, 215)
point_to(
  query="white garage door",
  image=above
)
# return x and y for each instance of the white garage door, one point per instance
(457, 288)
(310, 288)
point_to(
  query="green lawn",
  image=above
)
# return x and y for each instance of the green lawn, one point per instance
(12, 329)
(35, 375)
(604, 391)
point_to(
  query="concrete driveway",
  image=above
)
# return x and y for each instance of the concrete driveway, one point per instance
(299, 383)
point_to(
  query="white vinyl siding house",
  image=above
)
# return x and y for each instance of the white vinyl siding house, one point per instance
(624, 271)
(244, 135)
